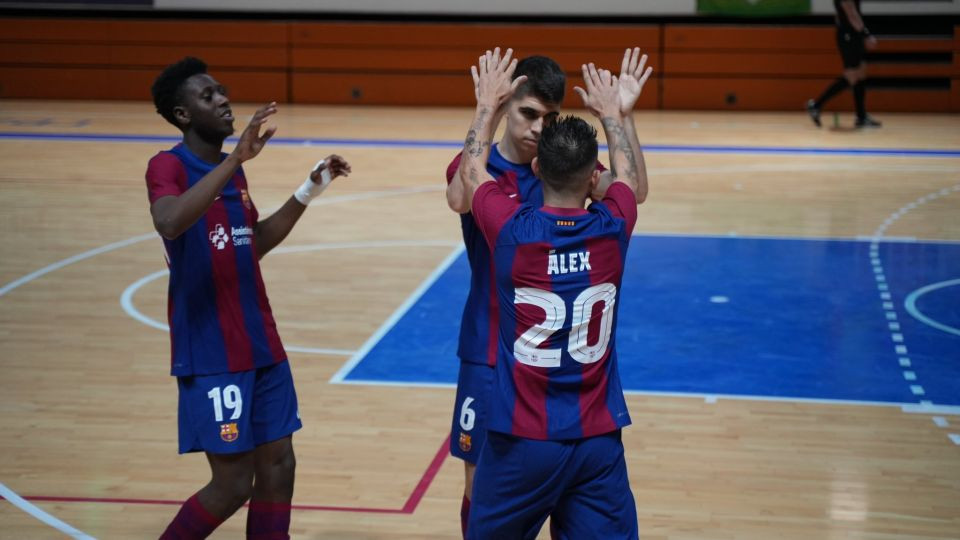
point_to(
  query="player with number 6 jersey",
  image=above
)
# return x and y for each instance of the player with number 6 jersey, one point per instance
(553, 446)
(533, 106)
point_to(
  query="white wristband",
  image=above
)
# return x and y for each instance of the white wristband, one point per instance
(310, 189)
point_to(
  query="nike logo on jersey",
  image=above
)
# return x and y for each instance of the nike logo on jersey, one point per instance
(566, 263)
(513, 195)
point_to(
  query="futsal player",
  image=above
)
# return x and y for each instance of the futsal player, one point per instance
(853, 39)
(553, 444)
(532, 107)
(237, 402)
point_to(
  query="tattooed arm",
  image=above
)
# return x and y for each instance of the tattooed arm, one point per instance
(634, 73)
(493, 85)
(602, 99)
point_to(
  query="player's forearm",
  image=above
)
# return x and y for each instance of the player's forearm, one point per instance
(456, 195)
(174, 215)
(476, 151)
(268, 233)
(623, 160)
(630, 133)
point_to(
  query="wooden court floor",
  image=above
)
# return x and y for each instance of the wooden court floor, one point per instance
(87, 409)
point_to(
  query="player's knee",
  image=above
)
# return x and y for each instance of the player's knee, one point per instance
(286, 465)
(276, 474)
(235, 489)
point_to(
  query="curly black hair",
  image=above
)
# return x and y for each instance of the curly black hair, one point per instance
(167, 89)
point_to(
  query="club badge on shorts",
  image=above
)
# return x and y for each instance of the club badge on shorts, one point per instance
(465, 442)
(229, 432)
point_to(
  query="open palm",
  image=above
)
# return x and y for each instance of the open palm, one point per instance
(633, 75)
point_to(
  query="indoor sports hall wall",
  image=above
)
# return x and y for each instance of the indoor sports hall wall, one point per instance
(754, 66)
(534, 7)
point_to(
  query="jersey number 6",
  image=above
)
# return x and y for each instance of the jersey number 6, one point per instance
(525, 348)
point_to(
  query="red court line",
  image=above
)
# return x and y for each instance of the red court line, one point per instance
(408, 508)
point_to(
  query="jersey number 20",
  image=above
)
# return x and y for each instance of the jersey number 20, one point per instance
(525, 348)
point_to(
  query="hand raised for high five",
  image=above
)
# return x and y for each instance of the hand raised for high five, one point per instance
(251, 142)
(602, 96)
(334, 164)
(493, 82)
(632, 78)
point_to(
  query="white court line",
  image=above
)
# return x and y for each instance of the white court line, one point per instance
(911, 408)
(140, 238)
(126, 299)
(339, 376)
(911, 306)
(908, 371)
(70, 260)
(24, 505)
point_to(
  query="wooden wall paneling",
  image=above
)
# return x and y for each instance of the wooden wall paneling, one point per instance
(127, 84)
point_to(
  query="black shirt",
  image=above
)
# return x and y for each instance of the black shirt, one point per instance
(842, 20)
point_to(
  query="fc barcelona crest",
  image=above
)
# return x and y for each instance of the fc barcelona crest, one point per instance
(465, 442)
(245, 197)
(229, 432)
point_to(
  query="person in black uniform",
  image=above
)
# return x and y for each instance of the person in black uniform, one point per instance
(853, 39)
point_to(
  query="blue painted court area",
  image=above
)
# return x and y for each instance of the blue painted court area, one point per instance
(785, 318)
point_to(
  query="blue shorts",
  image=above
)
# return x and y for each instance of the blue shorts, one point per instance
(229, 413)
(582, 484)
(469, 429)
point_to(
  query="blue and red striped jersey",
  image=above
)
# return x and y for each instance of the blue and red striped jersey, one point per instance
(557, 273)
(220, 318)
(478, 324)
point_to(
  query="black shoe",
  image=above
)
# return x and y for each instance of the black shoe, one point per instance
(867, 122)
(813, 111)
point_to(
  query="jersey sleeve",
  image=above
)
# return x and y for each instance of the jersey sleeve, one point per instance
(165, 176)
(622, 203)
(491, 210)
(452, 168)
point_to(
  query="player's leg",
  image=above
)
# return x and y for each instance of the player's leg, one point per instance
(600, 504)
(860, 98)
(846, 45)
(469, 471)
(469, 426)
(212, 418)
(275, 417)
(517, 485)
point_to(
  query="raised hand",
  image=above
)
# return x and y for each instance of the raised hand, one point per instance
(251, 142)
(335, 164)
(632, 78)
(493, 82)
(602, 95)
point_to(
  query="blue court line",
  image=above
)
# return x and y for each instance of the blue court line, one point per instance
(668, 148)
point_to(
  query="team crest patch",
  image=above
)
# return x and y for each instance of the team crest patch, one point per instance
(466, 442)
(229, 432)
(245, 197)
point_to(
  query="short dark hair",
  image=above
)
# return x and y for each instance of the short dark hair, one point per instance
(567, 153)
(167, 89)
(545, 80)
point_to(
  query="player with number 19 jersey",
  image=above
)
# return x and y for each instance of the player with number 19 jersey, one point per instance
(220, 318)
(558, 276)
